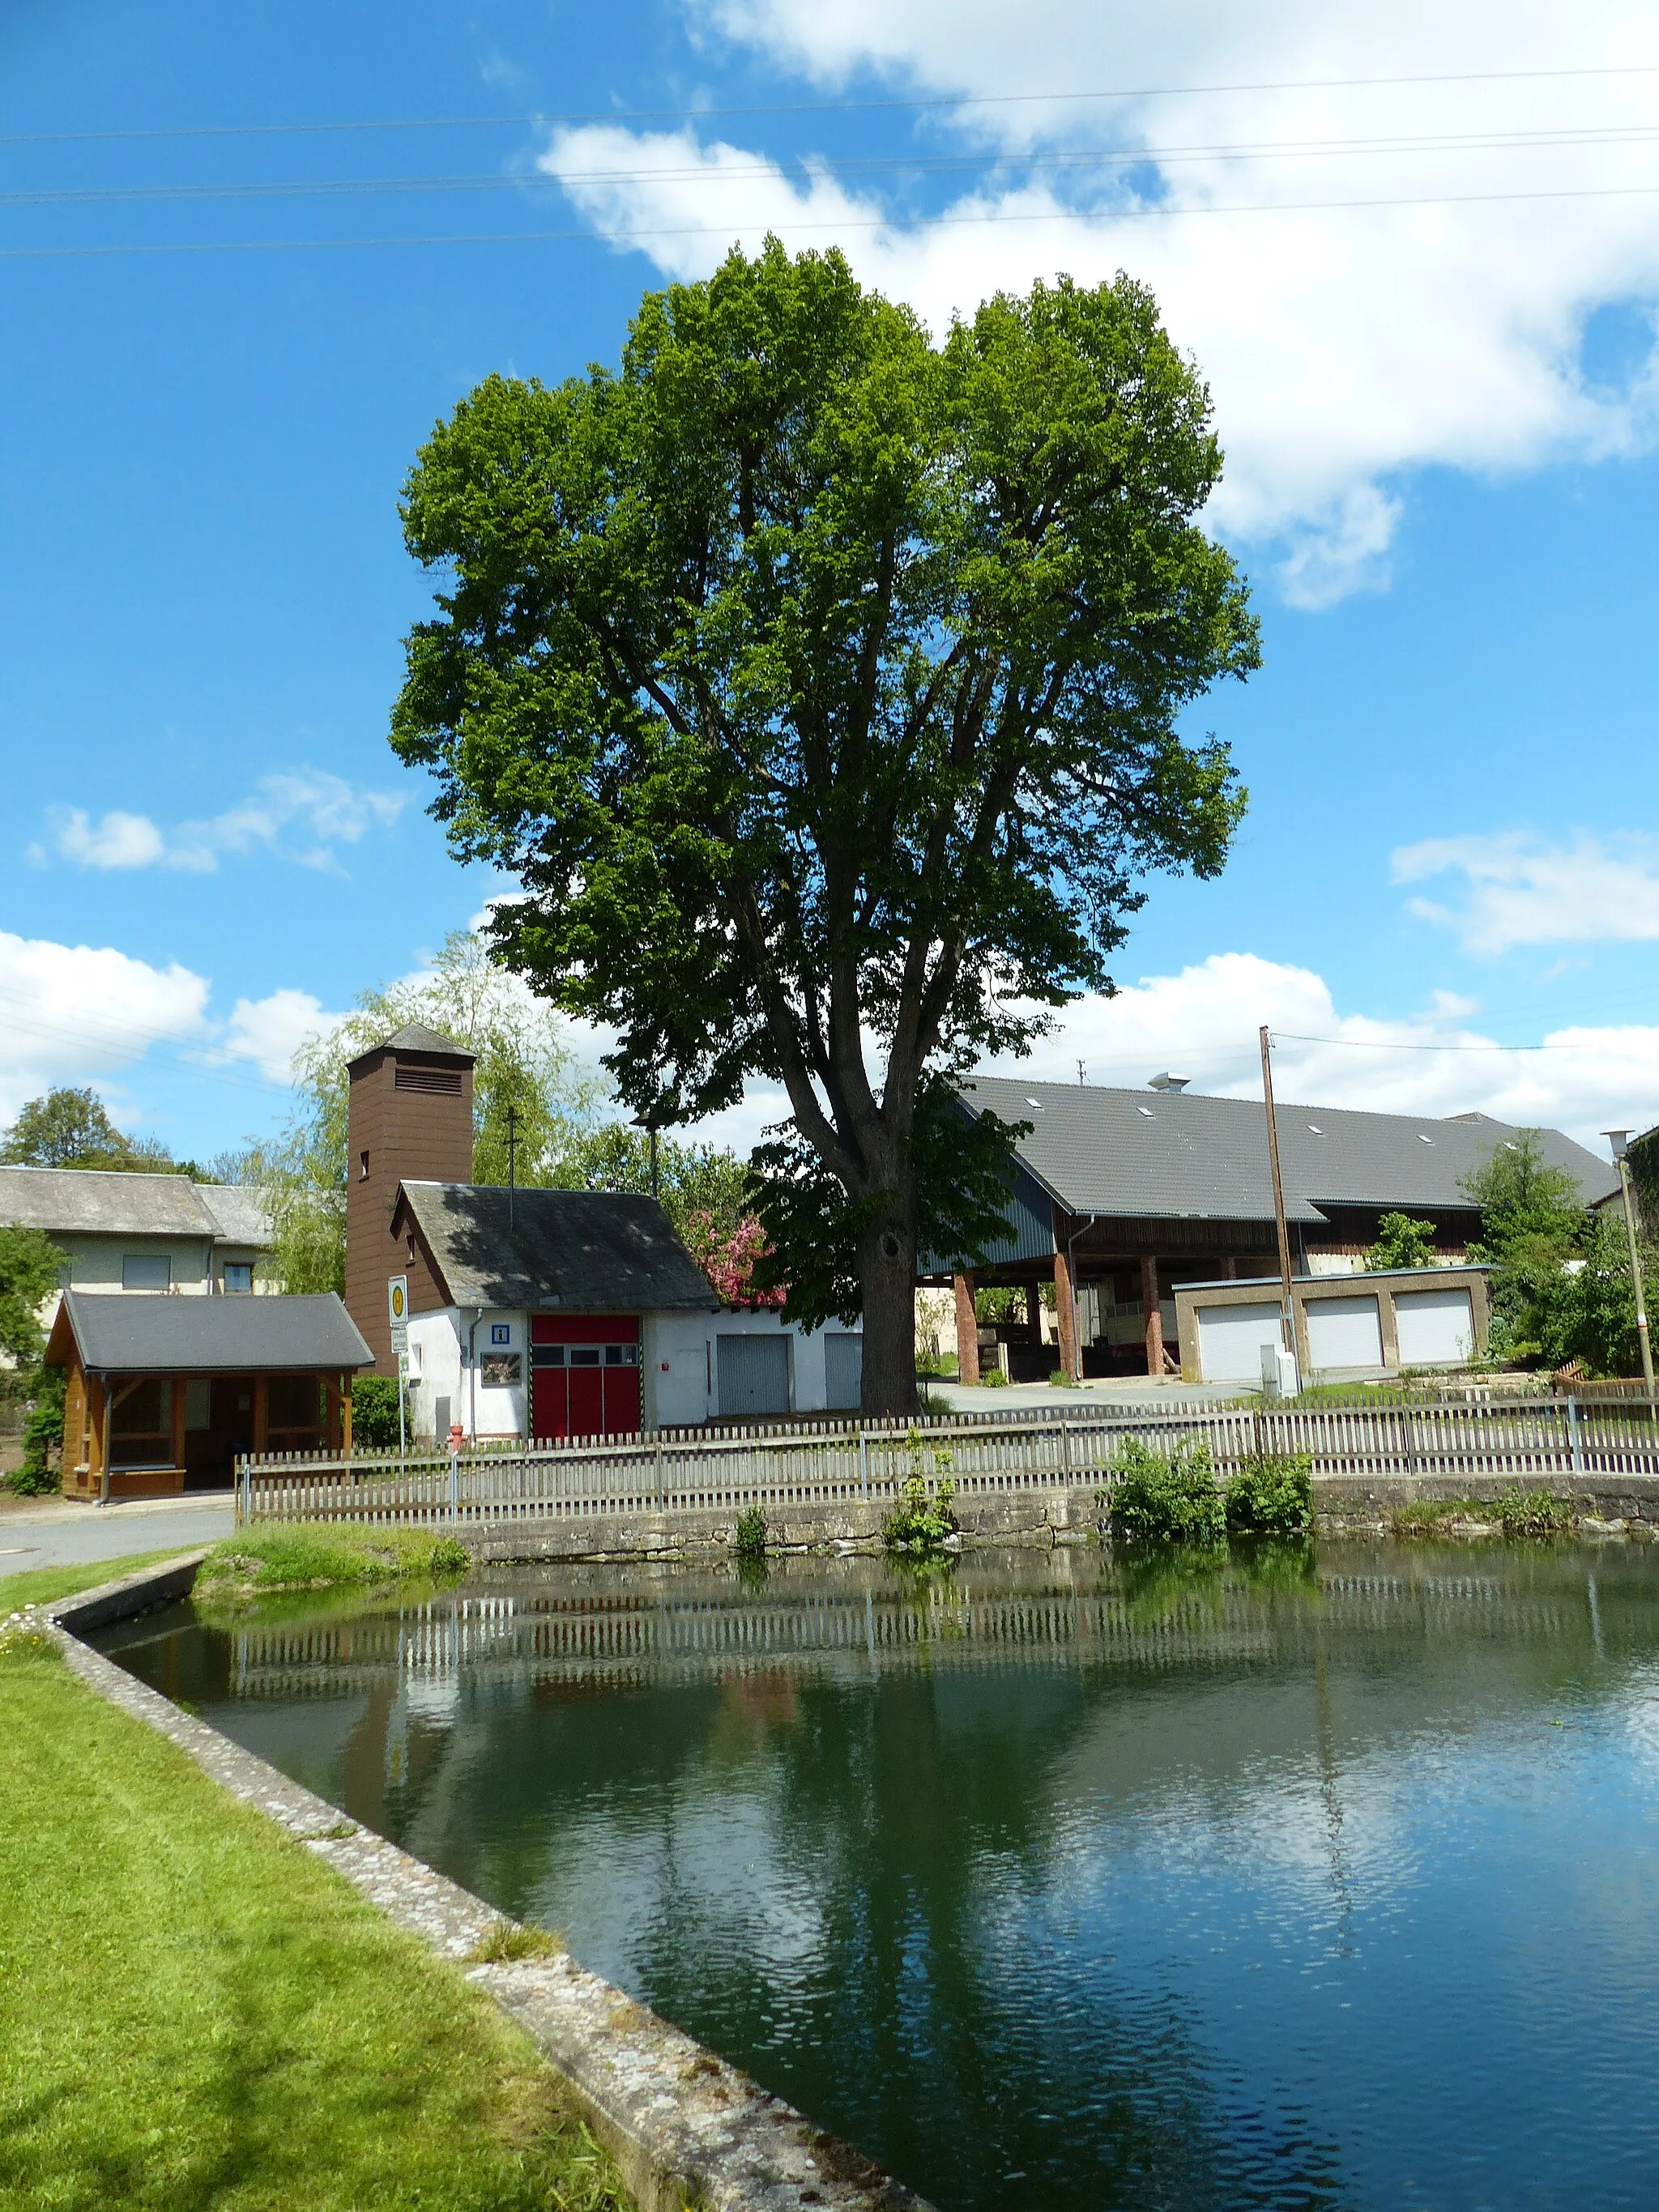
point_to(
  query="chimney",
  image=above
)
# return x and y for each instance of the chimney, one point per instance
(408, 1118)
(1167, 1082)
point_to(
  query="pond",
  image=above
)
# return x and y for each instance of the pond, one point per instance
(1049, 1882)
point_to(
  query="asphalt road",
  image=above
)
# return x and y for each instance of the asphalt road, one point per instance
(48, 1532)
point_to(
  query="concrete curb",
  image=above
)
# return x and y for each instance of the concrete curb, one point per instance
(684, 2128)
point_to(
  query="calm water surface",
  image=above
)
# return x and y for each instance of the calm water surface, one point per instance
(1052, 1884)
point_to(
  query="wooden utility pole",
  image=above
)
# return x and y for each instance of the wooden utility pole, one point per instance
(1635, 1278)
(1288, 1310)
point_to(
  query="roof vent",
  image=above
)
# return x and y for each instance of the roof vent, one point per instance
(1167, 1082)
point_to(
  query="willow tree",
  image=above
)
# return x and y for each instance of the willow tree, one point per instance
(821, 686)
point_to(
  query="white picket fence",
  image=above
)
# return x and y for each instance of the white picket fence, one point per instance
(813, 1468)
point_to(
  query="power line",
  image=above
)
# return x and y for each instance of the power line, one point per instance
(952, 102)
(1386, 1044)
(862, 166)
(591, 234)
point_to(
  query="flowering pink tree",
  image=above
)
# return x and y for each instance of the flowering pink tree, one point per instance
(727, 1257)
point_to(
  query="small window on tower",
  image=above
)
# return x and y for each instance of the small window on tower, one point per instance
(409, 1246)
(362, 1167)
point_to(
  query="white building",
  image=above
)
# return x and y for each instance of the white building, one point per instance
(144, 1232)
(558, 1313)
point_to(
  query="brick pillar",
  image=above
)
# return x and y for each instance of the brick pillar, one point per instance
(1066, 1316)
(1154, 1318)
(967, 1331)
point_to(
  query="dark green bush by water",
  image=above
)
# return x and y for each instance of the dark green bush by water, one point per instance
(1270, 1497)
(1166, 1497)
(1175, 1497)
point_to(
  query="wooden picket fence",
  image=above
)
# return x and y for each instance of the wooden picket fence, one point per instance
(808, 1468)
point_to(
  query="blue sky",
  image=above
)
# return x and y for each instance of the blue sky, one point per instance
(1432, 345)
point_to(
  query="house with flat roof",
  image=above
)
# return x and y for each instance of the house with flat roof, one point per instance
(1119, 1198)
(145, 1232)
(163, 1394)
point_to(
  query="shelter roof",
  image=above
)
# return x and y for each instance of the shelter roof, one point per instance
(96, 1202)
(124, 1333)
(577, 1251)
(1167, 1153)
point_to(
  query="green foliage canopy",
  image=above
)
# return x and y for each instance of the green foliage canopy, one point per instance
(820, 685)
(71, 1129)
(1402, 1241)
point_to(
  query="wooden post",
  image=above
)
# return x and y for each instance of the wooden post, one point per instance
(1154, 1317)
(97, 1428)
(1065, 1315)
(180, 1392)
(1230, 1268)
(967, 1330)
(1034, 1313)
(261, 1411)
(1287, 1318)
(346, 1381)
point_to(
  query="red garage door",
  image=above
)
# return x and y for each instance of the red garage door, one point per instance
(585, 1374)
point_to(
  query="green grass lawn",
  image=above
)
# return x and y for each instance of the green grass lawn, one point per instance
(195, 2012)
(41, 1585)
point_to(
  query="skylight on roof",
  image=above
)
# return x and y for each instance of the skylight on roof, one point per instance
(1315, 1127)
(1037, 1102)
(1147, 1111)
(1422, 1139)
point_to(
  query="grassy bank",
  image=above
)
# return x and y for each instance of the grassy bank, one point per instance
(41, 1585)
(277, 1555)
(1514, 1513)
(197, 2013)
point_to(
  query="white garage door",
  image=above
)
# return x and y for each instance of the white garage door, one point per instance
(843, 1370)
(1435, 1327)
(1230, 1341)
(754, 1375)
(1344, 1332)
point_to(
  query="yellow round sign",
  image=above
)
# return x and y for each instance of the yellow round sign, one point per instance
(398, 1300)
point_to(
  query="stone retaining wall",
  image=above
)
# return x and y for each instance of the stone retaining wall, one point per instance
(682, 2126)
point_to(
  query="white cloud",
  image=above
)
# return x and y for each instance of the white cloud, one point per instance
(1203, 1023)
(70, 1014)
(269, 1031)
(301, 816)
(1521, 891)
(1345, 344)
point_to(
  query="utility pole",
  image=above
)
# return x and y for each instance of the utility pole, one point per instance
(1079, 1072)
(1619, 1140)
(1287, 1309)
(654, 1192)
(512, 1161)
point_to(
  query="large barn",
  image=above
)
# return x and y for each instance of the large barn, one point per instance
(1119, 1197)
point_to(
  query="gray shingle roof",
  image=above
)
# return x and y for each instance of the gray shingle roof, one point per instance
(1175, 1153)
(242, 1212)
(581, 1251)
(93, 1202)
(118, 1333)
(414, 1038)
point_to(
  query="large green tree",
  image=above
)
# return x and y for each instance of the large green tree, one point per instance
(821, 685)
(69, 1128)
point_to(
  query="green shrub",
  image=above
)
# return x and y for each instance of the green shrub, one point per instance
(993, 1378)
(749, 1539)
(43, 1433)
(1270, 1497)
(1535, 1513)
(374, 1413)
(1060, 1380)
(923, 1517)
(1159, 1499)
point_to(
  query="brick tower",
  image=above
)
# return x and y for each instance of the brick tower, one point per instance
(408, 1118)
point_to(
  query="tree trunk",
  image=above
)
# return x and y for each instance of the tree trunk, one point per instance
(887, 1280)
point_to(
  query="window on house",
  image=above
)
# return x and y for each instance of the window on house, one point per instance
(146, 1271)
(238, 1274)
(362, 1167)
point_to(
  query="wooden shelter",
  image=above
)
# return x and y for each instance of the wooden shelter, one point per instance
(164, 1393)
